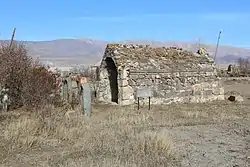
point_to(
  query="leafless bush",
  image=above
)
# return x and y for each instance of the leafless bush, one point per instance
(244, 65)
(28, 81)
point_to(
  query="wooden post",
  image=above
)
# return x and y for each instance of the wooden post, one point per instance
(217, 46)
(149, 103)
(12, 38)
(138, 103)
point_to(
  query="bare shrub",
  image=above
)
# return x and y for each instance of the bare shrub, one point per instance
(40, 83)
(28, 81)
(244, 66)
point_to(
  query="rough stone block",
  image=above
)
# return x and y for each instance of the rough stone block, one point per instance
(104, 74)
(131, 82)
(123, 82)
(220, 97)
(185, 93)
(134, 77)
(167, 100)
(218, 91)
(170, 94)
(197, 89)
(205, 85)
(127, 102)
(123, 74)
(127, 93)
(216, 84)
(157, 76)
(235, 98)
(208, 92)
(185, 99)
(195, 99)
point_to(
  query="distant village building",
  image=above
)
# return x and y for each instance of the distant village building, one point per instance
(173, 74)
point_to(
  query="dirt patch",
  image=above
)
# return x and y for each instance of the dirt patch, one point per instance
(241, 87)
(220, 145)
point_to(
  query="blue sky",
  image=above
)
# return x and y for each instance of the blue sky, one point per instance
(184, 20)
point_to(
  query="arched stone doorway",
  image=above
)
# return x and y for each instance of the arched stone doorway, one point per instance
(112, 75)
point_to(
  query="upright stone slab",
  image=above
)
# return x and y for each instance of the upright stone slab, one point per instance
(86, 99)
(70, 92)
(65, 90)
(4, 99)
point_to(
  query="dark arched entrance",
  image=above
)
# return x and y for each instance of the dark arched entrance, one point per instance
(112, 71)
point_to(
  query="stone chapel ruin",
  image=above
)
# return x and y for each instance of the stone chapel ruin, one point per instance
(173, 74)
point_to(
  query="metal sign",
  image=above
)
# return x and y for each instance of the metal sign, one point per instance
(86, 99)
(143, 92)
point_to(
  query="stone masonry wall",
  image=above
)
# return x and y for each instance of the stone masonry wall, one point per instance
(173, 74)
(180, 87)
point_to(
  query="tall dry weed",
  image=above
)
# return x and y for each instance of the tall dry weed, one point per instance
(98, 142)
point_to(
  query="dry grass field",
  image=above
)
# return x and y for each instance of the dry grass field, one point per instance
(187, 135)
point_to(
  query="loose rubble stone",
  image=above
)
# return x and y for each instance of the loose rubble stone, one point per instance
(174, 74)
(235, 98)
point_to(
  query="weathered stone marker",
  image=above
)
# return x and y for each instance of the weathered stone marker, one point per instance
(86, 99)
(65, 90)
(143, 92)
(70, 92)
(4, 99)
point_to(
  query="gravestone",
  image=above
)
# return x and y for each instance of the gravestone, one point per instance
(65, 90)
(86, 99)
(4, 99)
(70, 92)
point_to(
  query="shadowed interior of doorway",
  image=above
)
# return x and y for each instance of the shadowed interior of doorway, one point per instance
(112, 71)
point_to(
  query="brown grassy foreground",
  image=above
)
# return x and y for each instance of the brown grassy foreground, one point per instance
(113, 136)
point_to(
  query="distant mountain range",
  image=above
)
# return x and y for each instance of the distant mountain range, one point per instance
(69, 52)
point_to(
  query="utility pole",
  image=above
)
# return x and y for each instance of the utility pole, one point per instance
(216, 50)
(198, 44)
(12, 38)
